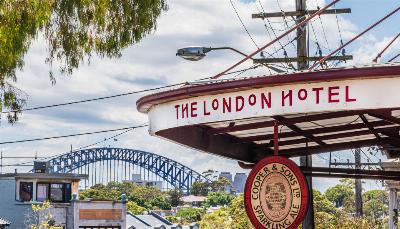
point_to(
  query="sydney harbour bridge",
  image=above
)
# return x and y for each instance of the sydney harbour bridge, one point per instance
(118, 164)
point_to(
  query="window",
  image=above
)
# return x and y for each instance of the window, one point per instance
(55, 192)
(25, 191)
(42, 192)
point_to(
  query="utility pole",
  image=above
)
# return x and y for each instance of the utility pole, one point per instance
(302, 59)
(358, 184)
(357, 161)
(302, 52)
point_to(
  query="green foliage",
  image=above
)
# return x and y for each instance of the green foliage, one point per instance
(172, 219)
(340, 193)
(41, 217)
(232, 217)
(175, 196)
(219, 219)
(74, 31)
(189, 215)
(375, 204)
(200, 188)
(149, 198)
(322, 204)
(238, 213)
(218, 199)
(134, 208)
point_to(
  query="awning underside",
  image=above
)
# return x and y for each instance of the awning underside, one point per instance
(250, 140)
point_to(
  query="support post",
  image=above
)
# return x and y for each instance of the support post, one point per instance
(393, 211)
(358, 185)
(302, 52)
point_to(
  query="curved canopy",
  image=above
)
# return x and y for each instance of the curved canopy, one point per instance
(319, 111)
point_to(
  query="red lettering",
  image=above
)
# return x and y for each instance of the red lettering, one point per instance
(317, 91)
(266, 101)
(193, 109)
(239, 107)
(333, 91)
(226, 105)
(302, 94)
(177, 112)
(348, 99)
(205, 109)
(215, 104)
(252, 99)
(185, 109)
(289, 95)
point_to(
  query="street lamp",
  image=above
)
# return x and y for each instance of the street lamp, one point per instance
(195, 53)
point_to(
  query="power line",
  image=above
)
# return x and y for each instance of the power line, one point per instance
(385, 48)
(355, 38)
(392, 59)
(240, 19)
(71, 135)
(91, 100)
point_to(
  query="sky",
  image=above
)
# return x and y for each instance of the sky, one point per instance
(152, 63)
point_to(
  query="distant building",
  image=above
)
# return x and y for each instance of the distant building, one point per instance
(20, 190)
(195, 201)
(239, 182)
(137, 179)
(227, 175)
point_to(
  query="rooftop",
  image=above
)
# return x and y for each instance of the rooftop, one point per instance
(71, 176)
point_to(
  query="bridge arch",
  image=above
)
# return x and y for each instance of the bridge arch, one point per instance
(173, 172)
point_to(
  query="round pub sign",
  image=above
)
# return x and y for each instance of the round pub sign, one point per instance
(276, 194)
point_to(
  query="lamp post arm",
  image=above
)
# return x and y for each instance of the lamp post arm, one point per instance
(224, 48)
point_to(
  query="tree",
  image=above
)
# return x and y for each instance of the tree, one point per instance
(322, 204)
(74, 30)
(218, 199)
(232, 217)
(175, 196)
(238, 213)
(189, 215)
(134, 208)
(202, 188)
(199, 188)
(41, 218)
(149, 198)
(339, 193)
(375, 204)
(219, 219)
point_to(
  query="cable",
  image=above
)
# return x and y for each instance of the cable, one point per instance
(276, 38)
(240, 19)
(392, 59)
(71, 135)
(109, 138)
(385, 48)
(94, 99)
(355, 38)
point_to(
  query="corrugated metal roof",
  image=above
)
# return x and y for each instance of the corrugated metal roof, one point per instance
(4, 222)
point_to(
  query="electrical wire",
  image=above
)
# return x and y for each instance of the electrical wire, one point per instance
(71, 135)
(94, 99)
(241, 21)
(278, 40)
(356, 37)
(385, 48)
(392, 59)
